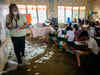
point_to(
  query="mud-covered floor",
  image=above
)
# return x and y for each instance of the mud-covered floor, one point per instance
(56, 62)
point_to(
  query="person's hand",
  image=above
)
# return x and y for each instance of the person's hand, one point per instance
(18, 29)
(10, 27)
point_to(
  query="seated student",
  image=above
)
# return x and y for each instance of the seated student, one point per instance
(70, 36)
(76, 31)
(97, 35)
(61, 32)
(61, 37)
(52, 33)
(92, 29)
(93, 58)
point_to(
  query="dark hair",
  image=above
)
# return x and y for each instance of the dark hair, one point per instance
(69, 28)
(11, 6)
(92, 24)
(84, 34)
(76, 27)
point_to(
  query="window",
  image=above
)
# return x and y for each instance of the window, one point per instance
(32, 11)
(82, 12)
(22, 9)
(61, 18)
(41, 13)
(68, 13)
(38, 13)
(75, 12)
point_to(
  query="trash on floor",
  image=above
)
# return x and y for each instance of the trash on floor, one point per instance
(47, 56)
(31, 51)
(37, 73)
(28, 70)
(12, 65)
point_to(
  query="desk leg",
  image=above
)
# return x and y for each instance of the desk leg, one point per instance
(78, 59)
(65, 46)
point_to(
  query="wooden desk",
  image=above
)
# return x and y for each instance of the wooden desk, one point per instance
(78, 54)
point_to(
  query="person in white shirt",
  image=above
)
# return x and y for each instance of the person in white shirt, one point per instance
(61, 32)
(70, 36)
(92, 30)
(94, 52)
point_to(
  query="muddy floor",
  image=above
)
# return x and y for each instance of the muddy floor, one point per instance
(53, 62)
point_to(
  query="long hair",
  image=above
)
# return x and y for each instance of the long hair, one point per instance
(11, 13)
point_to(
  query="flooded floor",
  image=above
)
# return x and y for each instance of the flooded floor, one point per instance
(53, 62)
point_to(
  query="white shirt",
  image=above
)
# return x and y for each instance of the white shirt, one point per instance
(52, 30)
(60, 32)
(92, 31)
(92, 44)
(70, 34)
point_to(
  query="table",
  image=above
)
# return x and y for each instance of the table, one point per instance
(78, 53)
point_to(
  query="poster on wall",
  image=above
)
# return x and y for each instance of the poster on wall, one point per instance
(33, 15)
(61, 14)
(42, 15)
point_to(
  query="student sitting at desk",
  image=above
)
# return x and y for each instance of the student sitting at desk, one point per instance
(70, 36)
(94, 57)
(61, 37)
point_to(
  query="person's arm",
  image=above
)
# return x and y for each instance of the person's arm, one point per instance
(7, 25)
(67, 35)
(92, 46)
(25, 23)
(24, 26)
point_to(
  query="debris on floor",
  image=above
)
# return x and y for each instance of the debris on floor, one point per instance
(43, 59)
(37, 73)
(31, 51)
(28, 70)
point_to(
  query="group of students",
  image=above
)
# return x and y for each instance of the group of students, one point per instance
(89, 35)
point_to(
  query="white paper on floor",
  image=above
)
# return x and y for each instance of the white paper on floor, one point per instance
(45, 57)
(31, 51)
(37, 73)
(12, 65)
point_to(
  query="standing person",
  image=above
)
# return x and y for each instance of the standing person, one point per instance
(16, 23)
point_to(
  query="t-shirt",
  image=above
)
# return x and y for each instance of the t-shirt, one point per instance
(92, 31)
(70, 34)
(20, 22)
(92, 44)
(62, 33)
(52, 29)
(97, 28)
